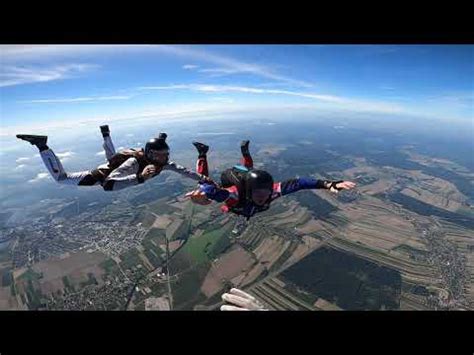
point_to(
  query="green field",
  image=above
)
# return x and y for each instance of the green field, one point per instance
(186, 291)
(151, 243)
(145, 218)
(34, 296)
(161, 207)
(207, 246)
(110, 266)
(153, 254)
(67, 284)
(30, 274)
(130, 259)
(4, 255)
(182, 232)
(156, 234)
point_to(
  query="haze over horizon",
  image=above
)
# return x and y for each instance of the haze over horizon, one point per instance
(49, 85)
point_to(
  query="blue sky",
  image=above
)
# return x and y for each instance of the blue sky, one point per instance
(44, 85)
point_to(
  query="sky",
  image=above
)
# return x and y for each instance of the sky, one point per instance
(67, 91)
(47, 86)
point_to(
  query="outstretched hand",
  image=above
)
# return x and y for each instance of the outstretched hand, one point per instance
(239, 300)
(198, 197)
(344, 185)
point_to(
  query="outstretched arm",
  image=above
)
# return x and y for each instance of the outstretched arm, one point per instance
(185, 172)
(293, 185)
(208, 191)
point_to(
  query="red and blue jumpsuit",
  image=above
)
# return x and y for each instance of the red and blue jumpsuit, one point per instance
(230, 195)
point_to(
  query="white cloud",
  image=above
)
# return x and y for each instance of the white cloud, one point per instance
(65, 154)
(231, 65)
(341, 102)
(11, 75)
(165, 87)
(22, 159)
(225, 65)
(39, 177)
(220, 71)
(190, 66)
(21, 166)
(79, 99)
(129, 135)
(222, 99)
(243, 89)
(466, 98)
(101, 153)
(206, 109)
(15, 53)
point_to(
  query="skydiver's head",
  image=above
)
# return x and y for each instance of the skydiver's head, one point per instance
(157, 151)
(260, 186)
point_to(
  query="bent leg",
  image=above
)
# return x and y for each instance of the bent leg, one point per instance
(246, 159)
(201, 166)
(53, 164)
(56, 169)
(108, 147)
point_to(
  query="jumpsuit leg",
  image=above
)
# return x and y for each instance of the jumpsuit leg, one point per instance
(247, 161)
(202, 166)
(109, 148)
(56, 169)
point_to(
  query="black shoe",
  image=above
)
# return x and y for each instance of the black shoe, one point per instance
(105, 130)
(244, 147)
(39, 141)
(201, 148)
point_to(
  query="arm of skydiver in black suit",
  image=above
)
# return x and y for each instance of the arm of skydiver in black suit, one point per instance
(296, 184)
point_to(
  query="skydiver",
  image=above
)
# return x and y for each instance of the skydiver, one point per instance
(246, 191)
(123, 169)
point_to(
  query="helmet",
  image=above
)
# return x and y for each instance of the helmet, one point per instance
(259, 179)
(156, 144)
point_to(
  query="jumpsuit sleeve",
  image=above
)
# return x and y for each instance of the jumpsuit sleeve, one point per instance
(296, 184)
(172, 166)
(217, 194)
(124, 176)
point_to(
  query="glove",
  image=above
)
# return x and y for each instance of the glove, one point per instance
(241, 301)
(332, 186)
(343, 185)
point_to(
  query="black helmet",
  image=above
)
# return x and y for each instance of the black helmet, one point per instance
(259, 179)
(156, 144)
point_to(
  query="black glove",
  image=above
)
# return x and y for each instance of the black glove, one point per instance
(332, 184)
